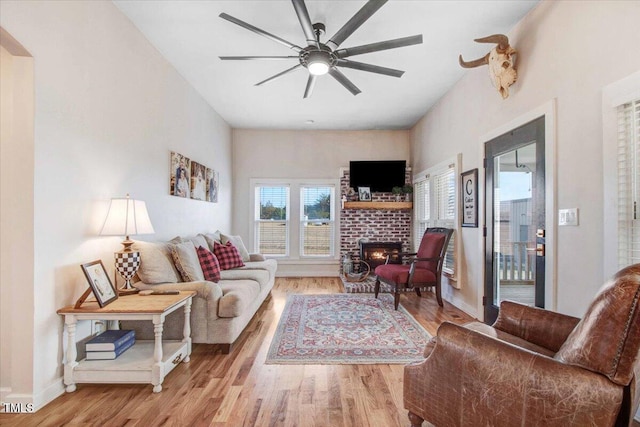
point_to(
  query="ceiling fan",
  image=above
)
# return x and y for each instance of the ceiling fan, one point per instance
(322, 58)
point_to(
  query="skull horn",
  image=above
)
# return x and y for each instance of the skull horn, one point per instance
(472, 64)
(500, 39)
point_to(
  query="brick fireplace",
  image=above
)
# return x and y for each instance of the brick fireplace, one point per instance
(375, 253)
(383, 225)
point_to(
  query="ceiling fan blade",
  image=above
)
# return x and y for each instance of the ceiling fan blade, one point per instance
(246, 58)
(375, 47)
(355, 22)
(310, 85)
(344, 81)
(305, 21)
(287, 71)
(260, 32)
(370, 68)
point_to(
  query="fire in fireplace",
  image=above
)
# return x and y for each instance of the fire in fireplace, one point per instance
(375, 253)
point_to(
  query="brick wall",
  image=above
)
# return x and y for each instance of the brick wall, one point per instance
(376, 225)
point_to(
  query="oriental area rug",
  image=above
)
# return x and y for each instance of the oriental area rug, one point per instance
(365, 286)
(346, 329)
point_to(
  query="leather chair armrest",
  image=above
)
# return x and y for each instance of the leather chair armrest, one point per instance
(473, 379)
(542, 327)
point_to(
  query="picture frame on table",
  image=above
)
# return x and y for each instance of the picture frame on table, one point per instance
(99, 282)
(364, 194)
(469, 195)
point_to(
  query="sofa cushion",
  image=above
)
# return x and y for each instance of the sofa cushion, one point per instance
(186, 260)
(209, 264)
(237, 295)
(271, 265)
(260, 276)
(238, 243)
(227, 255)
(211, 238)
(156, 263)
(198, 241)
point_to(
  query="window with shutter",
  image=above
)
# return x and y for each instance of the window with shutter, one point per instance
(628, 183)
(435, 205)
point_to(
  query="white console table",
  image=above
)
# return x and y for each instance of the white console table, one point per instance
(146, 361)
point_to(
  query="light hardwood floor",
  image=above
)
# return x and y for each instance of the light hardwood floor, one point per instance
(238, 389)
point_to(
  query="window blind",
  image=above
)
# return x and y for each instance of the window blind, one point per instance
(272, 225)
(435, 206)
(317, 225)
(628, 183)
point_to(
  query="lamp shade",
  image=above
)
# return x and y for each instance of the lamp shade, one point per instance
(127, 217)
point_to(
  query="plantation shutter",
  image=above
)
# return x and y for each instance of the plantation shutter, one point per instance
(446, 210)
(628, 183)
(422, 208)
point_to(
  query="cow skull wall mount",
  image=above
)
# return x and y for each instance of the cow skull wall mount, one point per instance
(500, 62)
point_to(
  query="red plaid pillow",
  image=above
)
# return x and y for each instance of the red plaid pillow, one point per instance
(228, 256)
(209, 264)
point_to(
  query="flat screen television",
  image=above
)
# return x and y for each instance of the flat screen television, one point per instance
(378, 175)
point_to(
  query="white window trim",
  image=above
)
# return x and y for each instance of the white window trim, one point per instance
(294, 252)
(454, 279)
(613, 95)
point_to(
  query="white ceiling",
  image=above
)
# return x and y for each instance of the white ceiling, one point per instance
(192, 36)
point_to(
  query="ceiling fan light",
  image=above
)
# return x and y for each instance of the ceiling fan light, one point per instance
(318, 68)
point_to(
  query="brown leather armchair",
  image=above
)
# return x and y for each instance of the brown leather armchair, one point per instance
(535, 367)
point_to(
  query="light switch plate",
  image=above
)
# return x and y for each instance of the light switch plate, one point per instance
(568, 217)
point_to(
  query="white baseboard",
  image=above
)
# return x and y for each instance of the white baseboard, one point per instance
(450, 297)
(51, 392)
(36, 401)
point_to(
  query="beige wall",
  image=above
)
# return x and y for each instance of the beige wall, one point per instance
(109, 109)
(306, 154)
(568, 51)
(16, 221)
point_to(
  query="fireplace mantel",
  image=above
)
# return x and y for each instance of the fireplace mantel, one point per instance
(379, 205)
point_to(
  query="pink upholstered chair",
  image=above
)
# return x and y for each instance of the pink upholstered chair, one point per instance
(423, 269)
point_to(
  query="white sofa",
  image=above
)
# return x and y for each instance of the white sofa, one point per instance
(220, 311)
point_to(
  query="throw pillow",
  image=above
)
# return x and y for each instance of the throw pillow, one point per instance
(237, 242)
(186, 260)
(228, 256)
(198, 241)
(156, 264)
(209, 263)
(211, 238)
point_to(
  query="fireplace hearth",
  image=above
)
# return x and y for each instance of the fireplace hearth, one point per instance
(375, 253)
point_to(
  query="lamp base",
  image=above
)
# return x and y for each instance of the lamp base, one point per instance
(127, 264)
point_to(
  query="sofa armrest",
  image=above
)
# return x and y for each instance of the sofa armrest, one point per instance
(542, 327)
(207, 290)
(256, 257)
(471, 376)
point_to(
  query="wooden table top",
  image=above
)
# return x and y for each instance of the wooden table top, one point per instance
(131, 304)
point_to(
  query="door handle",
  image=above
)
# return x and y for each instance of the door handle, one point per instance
(539, 249)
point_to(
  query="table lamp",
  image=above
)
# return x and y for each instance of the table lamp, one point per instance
(127, 217)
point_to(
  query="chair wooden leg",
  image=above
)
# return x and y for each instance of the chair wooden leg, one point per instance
(439, 295)
(376, 289)
(415, 420)
(418, 292)
(396, 299)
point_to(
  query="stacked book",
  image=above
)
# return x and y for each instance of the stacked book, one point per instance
(110, 344)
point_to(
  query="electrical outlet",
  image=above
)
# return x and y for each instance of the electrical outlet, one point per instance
(568, 217)
(98, 326)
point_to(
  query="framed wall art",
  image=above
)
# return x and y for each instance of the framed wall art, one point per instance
(99, 282)
(469, 193)
(180, 175)
(198, 181)
(364, 194)
(212, 186)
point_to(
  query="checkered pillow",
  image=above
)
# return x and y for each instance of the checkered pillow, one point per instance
(209, 264)
(228, 256)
